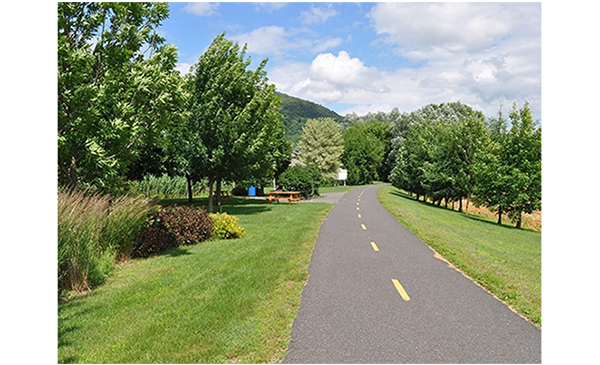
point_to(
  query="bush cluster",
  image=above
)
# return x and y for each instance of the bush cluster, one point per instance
(171, 227)
(226, 226)
(304, 179)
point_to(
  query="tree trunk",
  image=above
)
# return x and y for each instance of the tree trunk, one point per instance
(467, 208)
(460, 205)
(218, 192)
(210, 196)
(499, 215)
(518, 226)
(189, 188)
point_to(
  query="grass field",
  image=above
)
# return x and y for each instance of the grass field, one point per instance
(505, 260)
(215, 302)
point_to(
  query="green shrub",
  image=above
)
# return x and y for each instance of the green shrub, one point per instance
(304, 179)
(226, 226)
(93, 231)
(187, 224)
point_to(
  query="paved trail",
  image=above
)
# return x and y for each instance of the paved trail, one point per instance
(377, 294)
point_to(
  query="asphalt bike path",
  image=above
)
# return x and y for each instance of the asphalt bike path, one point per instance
(377, 294)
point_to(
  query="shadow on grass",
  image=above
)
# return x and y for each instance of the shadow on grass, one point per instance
(477, 218)
(234, 206)
(175, 252)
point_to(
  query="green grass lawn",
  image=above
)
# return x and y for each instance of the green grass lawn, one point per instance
(505, 260)
(215, 302)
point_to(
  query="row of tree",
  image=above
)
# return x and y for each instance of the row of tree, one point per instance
(449, 152)
(124, 111)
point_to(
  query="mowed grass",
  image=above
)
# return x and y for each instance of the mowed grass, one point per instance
(215, 302)
(505, 260)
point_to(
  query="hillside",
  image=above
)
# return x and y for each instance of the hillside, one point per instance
(296, 111)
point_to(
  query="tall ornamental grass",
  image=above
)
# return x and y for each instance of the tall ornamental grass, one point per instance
(165, 187)
(93, 232)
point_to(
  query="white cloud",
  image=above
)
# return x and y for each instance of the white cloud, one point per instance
(269, 6)
(202, 9)
(318, 14)
(483, 83)
(276, 40)
(264, 40)
(454, 27)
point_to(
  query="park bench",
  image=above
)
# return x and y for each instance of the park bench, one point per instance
(290, 196)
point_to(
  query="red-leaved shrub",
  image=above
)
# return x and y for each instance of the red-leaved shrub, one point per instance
(187, 224)
(152, 240)
(171, 227)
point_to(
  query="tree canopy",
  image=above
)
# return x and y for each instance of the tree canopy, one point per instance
(117, 85)
(322, 144)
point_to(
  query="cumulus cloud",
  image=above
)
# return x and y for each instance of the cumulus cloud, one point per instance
(276, 40)
(202, 9)
(318, 14)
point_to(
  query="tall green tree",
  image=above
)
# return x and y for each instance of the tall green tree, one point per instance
(509, 180)
(523, 154)
(116, 85)
(234, 112)
(322, 144)
(365, 148)
(492, 181)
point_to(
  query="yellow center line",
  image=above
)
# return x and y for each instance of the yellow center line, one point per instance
(363, 227)
(401, 290)
(357, 208)
(375, 248)
(359, 216)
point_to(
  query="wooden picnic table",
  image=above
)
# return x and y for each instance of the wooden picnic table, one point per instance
(224, 194)
(289, 195)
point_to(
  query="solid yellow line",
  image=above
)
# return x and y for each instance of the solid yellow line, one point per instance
(401, 290)
(375, 248)
(363, 226)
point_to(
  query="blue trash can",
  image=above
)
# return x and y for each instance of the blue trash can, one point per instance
(251, 191)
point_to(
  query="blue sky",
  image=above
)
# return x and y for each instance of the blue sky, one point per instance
(367, 57)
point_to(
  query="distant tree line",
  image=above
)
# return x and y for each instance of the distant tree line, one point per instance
(450, 153)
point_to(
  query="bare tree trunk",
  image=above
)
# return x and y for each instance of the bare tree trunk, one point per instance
(519, 220)
(210, 196)
(189, 188)
(460, 205)
(218, 192)
(499, 215)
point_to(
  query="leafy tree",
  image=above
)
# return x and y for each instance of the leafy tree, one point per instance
(523, 154)
(365, 146)
(322, 144)
(117, 84)
(509, 179)
(234, 115)
(306, 179)
(491, 172)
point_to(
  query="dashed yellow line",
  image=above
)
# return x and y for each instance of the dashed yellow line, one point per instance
(374, 245)
(359, 216)
(401, 290)
(363, 227)
(357, 208)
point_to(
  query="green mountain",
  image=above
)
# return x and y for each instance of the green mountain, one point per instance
(297, 111)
